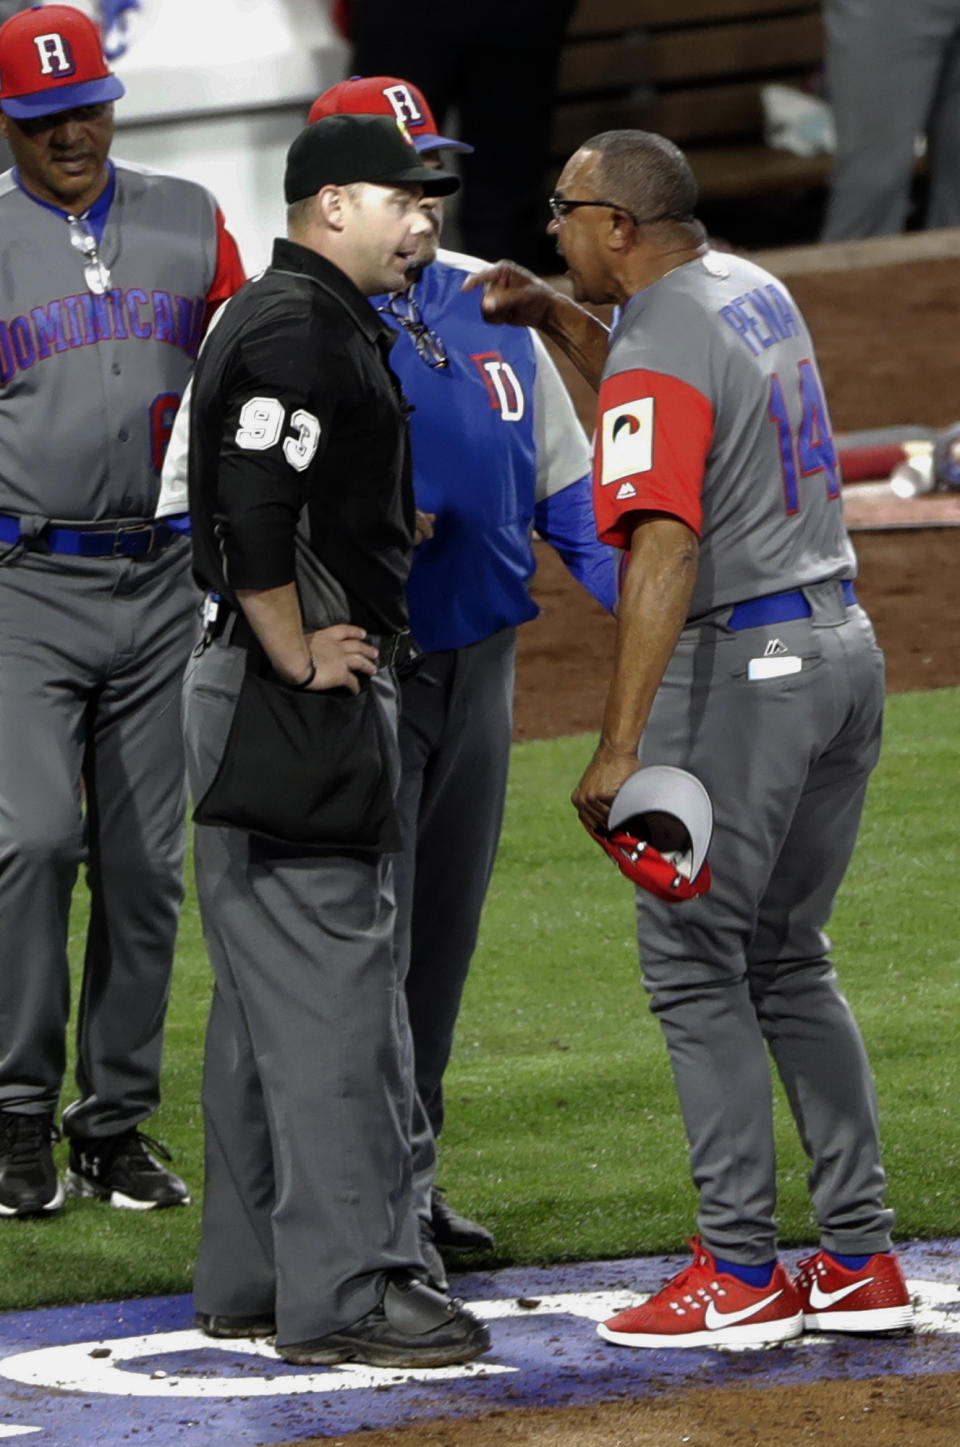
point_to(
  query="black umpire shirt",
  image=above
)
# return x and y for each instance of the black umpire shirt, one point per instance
(294, 407)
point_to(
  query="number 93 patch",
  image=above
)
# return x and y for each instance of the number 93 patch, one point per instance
(263, 420)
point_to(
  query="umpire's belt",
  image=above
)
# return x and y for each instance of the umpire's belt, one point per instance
(395, 649)
(127, 538)
(779, 608)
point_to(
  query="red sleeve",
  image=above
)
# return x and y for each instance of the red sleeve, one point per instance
(229, 275)
(653, 436)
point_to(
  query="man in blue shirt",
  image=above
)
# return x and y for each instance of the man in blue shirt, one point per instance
(497, 451)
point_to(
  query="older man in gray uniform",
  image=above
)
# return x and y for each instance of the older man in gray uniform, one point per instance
(303, 514)
(742, 657)
(108, 276)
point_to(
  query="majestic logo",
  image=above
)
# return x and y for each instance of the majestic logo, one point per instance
(713, 1319)
(404, 106)
(773, 647)
(626, 440)
(56, 56)
(503, 385)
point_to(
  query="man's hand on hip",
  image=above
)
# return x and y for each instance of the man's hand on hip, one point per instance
(339, 653)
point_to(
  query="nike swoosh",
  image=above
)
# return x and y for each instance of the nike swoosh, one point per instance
(714, 1319)
(823, 1300)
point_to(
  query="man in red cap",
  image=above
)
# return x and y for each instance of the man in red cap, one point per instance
(497, 450)
(108, 277)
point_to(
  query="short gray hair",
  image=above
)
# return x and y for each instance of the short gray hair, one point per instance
(645, 174)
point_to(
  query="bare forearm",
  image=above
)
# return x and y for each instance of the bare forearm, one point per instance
(275, 617)
(654, 603)
(515, 297)
(579, 335)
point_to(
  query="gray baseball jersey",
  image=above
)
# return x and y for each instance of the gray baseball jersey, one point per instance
(725, 426)
(92, 648)
(81, 441)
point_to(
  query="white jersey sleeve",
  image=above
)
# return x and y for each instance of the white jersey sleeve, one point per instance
(563, 453)
(173, 478)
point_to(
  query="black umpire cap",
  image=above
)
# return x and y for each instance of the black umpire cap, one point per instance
(340, 150)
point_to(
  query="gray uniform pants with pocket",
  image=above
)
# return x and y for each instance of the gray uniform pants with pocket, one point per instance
(456, 725)
(743, 968)
(91, 661)
(893, 72)
(306, 1100)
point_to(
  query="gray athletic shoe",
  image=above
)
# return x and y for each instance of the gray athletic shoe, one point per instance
(124, 1170)
(414, 1326)
(29, 1185)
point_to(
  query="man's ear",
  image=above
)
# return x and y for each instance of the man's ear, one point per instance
(329, 207)
(621, 233)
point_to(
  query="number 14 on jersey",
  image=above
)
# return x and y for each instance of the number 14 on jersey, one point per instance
(812, 450)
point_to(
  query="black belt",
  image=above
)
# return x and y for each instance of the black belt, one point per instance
(395, 650)
(125, 539)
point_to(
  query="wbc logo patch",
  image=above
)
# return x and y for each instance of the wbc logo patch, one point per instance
(626, 440)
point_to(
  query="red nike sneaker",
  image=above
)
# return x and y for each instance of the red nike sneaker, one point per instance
(701, 1307)
(873, 1299)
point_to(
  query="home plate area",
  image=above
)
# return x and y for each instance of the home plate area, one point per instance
(138, 1372)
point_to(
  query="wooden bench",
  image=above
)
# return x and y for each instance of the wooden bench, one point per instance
(692, 70)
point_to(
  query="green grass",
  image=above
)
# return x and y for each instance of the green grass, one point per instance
(563, 1132)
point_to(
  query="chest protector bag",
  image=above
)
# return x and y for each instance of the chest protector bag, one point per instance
(306, 769)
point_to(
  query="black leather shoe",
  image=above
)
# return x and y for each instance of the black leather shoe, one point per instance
(233, 1327)
(414, 1326)
(453, 1232)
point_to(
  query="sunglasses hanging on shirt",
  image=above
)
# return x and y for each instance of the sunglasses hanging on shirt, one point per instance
(95, 274)
(430, 347)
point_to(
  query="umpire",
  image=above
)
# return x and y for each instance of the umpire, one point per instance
(302, 513)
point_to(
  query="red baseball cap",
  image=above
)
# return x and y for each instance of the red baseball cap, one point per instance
(51, 59)
(384, 95)
(672, 864)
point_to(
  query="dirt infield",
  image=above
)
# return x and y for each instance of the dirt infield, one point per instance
(906, 584)
(878, 1412)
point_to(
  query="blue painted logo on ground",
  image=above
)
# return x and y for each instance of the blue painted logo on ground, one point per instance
(107, 1372)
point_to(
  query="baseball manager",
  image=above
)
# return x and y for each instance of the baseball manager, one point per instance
(742, 657)
(108, 276)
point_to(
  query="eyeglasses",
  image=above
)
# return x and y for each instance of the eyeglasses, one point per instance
(95, 274)
(430, 347)
(560, 208)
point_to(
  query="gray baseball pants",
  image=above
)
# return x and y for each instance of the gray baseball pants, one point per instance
(893, 71)
(306, 1103)
(456, 724)
(91, 661)
(744, 967)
